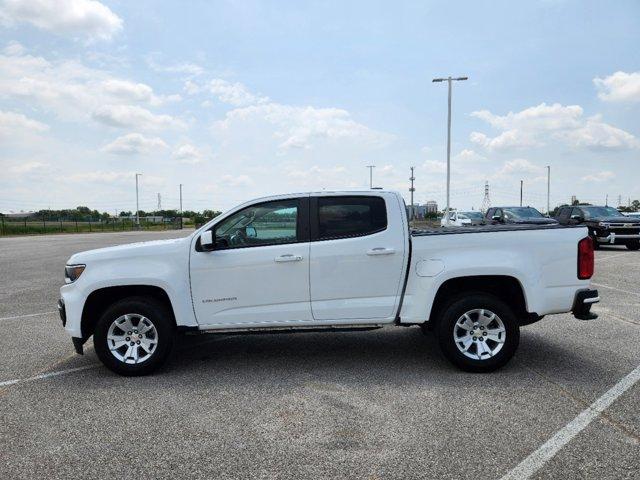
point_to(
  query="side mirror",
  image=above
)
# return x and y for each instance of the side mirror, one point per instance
(577, 217)
(250, 232)
(207, 241)
(496, 218)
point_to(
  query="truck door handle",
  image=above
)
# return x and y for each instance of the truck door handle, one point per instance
(381, 251)
(288, 258)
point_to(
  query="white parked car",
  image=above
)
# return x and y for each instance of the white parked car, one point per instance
(456, 219)
(327, 261)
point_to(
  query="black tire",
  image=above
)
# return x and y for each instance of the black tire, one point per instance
(157, 314)
(455, 310)
(633, 245)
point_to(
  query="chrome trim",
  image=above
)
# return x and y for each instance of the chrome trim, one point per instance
(611, 238)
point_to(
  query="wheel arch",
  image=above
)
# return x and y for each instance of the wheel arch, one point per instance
(505, 287)
(99, 300)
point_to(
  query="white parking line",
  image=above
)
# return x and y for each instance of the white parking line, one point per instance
(609, 257)
(6, 383)
(26, 316)
(614, 288)
(546, 452)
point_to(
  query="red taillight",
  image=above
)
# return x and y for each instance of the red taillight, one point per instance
(585, 258)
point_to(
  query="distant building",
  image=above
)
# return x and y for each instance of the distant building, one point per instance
(418, 211)
(19, 214)
(431, 206)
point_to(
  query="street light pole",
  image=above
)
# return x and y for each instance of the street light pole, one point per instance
(548, 190)
(412, 189)
(180, 206)
(449, 80)
(521, 192)
(371, 167)
(137, 202)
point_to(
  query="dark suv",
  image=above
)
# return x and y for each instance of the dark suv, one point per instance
(517, 215)
(606, 225)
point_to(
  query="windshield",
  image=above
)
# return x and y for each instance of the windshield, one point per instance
(590, 212)
(472, 215)
(522, 212)
(462, 216)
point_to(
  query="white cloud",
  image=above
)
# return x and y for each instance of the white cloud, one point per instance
(12, 122)
(134, 143)
(234, 94)
(113, 178)
(520, 166)
(189, 154)
(435, 166)
(469, 156)
(132, 116)
(598, 135)
(14, 48)
(69, 88)
(28, 167)
(87, 18)
(300, 127)
(619, 87)
(599, 177)
(126, 91)
(536, 126)
(237, 180)
(185, 68)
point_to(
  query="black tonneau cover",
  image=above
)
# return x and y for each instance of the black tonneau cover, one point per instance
(487, 229)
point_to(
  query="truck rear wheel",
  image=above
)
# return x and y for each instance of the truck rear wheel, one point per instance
(134, 336)
(478, 332)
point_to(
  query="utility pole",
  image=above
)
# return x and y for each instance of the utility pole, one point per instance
(520, 192)
(180, 206)
(619, 200)
(412, 189)
(371, 167)
(137, 202)
(548, 190)
(449, 80)
(159, 202)
(606, 200)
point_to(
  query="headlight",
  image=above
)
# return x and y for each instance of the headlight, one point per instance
(73, 272)
(604, 224)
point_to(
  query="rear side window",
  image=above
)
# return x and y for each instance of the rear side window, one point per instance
(341, 217)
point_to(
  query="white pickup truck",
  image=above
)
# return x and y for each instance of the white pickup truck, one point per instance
(327, 261)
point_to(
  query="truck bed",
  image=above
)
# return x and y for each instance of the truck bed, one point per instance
(486, 229)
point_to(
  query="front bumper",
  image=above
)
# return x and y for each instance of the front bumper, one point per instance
(582, 304)
(620, 238)
(62, 311)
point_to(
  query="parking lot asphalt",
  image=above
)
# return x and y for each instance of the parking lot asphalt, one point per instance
(381, 404)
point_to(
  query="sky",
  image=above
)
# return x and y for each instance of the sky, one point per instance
(242, 99)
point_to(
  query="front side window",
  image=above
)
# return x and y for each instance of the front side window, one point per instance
(269, 223)
(341, 217)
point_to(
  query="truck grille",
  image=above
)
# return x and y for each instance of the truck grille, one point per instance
(624, 228)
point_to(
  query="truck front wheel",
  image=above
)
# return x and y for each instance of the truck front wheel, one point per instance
(633, 245)
(478, 332)
(134, 336)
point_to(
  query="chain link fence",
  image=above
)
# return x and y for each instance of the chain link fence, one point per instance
(81, 224)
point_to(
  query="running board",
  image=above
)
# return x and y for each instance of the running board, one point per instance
(296, 329)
